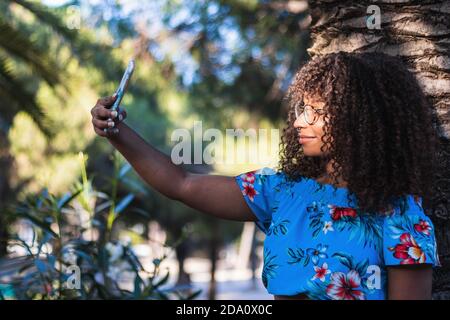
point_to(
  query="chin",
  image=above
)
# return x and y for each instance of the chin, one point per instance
(311, 152)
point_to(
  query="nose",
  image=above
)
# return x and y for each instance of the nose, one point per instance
(300, 122)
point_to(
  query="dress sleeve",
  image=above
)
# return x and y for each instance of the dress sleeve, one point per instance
(257, 188)
(408, 235)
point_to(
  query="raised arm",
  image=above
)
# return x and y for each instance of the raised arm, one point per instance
(212, 194)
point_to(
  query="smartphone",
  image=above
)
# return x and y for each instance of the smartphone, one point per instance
(123, 84)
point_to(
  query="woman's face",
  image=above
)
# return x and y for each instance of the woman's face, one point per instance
(311, 146)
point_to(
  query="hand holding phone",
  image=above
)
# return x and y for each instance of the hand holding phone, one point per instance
(122, 87)
(123, 84)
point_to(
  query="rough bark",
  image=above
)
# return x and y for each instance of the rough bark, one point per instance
(6, 165)
(419, 33)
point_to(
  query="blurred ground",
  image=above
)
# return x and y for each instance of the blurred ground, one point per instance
(232, 283)
(236, 290)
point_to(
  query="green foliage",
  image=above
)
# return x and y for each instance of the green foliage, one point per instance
(61, 253)
(18, 47)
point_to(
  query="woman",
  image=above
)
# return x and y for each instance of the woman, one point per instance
(343, 215)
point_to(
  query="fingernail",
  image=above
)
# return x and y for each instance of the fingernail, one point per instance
(114, 95)
(114, 114)
(120, 117)
(111, 124)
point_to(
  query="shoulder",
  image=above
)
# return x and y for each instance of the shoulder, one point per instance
(407, 211)
(270, 182)
(262, 176)
(409, 234)
(406, 207)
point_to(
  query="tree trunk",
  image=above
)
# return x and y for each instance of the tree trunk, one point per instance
(253, 259)
(182, 251)
(418, 31)
(6, 166)
(214, 244)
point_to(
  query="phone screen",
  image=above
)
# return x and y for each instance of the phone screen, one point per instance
(123, 84)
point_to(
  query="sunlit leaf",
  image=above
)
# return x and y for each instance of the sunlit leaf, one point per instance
(162, 281)
(103, 206)
(40, 265)
(67, 198)
(123, 203)
(47, 237)
(194, 295)
(125, 168)
(44, 226)
(137, 286)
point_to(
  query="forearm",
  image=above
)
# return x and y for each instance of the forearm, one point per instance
(212, 194)
(410, 282)
(153, 166)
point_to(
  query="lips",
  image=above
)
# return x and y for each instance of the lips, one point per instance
(305, 139)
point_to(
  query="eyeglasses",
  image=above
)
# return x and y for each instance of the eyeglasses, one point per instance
(310, 114)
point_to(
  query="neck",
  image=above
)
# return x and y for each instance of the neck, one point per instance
(327, 177)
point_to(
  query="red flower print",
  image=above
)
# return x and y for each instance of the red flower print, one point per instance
(423, 226)
(321, 272)
(339, 212)
(249, 177)
(249, 190)
(408, 250)
(343, 286)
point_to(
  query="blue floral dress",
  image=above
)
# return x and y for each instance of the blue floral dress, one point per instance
(318, 242)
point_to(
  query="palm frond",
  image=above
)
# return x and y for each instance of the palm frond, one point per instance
(47, 17)
(17, 44)
(13, 95)
(84, 48)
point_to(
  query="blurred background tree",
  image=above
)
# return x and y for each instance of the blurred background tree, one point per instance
(24, 63)
(225, 63)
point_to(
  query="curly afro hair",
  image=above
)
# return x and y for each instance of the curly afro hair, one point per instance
(380, 123)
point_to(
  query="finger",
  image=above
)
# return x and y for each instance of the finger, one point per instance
(100, 132)
(103, 113)
(122, 115)
(101, 124)
(107, 101)
(111, 131)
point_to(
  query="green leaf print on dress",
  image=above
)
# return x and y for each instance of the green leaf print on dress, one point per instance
(359, 225)
(269, 267)
(278, 228)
